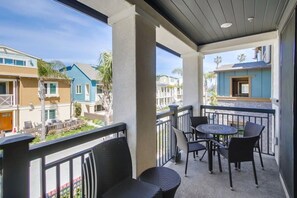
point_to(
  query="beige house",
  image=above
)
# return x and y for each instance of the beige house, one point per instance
(169, 91)
(19, 100)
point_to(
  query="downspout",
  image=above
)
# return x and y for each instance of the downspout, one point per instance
(17, 95)
(71, 98)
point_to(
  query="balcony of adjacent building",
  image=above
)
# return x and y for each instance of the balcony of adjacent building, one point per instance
(7, 93)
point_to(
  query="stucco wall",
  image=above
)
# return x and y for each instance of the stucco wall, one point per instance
(34, 114)
(29, 92)
(260, 82)
(18, 70)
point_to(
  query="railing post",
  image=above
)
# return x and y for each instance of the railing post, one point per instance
(174, 123)
(15, 165)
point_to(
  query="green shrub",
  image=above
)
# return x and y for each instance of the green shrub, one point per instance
(77, 109)
(98, 122)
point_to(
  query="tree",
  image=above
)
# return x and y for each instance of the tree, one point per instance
(105, 78)
(241, 57)
(208, 77)
(217, 60)
(45, 71)
(178, 71)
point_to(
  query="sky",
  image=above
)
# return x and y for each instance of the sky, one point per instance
(52, 31)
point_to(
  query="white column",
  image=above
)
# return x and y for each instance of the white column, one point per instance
(134, 83)
(193, 80)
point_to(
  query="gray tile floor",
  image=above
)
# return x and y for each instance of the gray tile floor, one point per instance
(199, 183)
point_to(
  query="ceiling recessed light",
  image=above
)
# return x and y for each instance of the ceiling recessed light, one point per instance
(250, 19)
(226, 25)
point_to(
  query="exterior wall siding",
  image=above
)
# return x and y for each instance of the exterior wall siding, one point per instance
(62, 113)
(11, 70)
(260, 82)
(79, 78)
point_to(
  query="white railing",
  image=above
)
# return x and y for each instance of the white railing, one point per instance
(6, 100)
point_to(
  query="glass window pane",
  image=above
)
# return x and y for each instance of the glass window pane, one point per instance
(53, 88)
(52, 114)
(20, 62)
(8, 61)
(1, 60)
(245, 88)
(45, 88)
(99, 89)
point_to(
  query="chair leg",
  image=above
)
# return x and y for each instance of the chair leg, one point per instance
(220, 164)
(260, 157)
(230, 175)
(186, 168)
(203, 155)
(194, 155)
(176, 154)
(255, 174)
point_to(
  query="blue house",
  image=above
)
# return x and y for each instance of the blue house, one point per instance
(86, 88)
(244, 81)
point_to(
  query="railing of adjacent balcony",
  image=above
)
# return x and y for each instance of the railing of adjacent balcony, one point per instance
(237, 117)
(166, 145)
(58, 162)
(6, 100)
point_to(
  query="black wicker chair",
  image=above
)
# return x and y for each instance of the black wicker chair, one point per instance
(240, 149)
(112, 174)
(252, 129)
(186, 146)
(195, 121)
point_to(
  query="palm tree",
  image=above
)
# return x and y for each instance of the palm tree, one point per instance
(178, 71)
(241, 57)
(208, 76)
(105, 77)
(45, 71)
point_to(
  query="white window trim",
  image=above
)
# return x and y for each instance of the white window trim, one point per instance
(48, 89)
(48, 113)
(76, 92)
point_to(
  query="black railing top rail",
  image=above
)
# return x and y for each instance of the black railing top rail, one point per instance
(170, 112)
(47, 148)
(256, 110)
(185, 108)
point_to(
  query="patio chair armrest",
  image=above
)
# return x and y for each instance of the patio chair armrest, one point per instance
(194, 128)
(219, 144)
(198, 141)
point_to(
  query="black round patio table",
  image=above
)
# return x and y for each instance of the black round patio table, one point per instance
(167, 179)
(215, 130)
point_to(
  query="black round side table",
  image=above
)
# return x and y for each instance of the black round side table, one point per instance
(167, 179)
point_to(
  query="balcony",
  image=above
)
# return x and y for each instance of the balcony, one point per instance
(60, 160)
(6, 100)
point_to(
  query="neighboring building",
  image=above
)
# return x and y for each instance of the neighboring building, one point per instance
(19, 100)
(169, 91)
(246, 84)
(85, 87)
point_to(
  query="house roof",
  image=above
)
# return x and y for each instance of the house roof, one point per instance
(88, 70)
(8, 50)
(244, 66)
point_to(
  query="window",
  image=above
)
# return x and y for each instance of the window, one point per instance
(1, 60)
(78, 89)
(8, 61)
(51, 89)
(99, 89)
(50, 114)
(20, 62)
(240, 87)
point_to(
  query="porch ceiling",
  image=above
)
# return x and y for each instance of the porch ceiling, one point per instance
(200, 20)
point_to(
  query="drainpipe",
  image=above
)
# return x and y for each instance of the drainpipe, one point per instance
(17, 95)
(71, 97)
